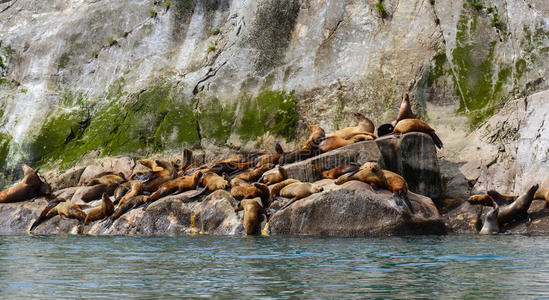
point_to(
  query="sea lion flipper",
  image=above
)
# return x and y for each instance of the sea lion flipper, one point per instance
(401, 198)
(436, 139)
(198, 193)
(289, 203)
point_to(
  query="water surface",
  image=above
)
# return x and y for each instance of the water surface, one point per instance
(466, 266)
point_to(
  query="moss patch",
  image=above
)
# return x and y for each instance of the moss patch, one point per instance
(4, 149)
(479, 79)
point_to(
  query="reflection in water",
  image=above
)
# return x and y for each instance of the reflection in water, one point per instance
(234, 267)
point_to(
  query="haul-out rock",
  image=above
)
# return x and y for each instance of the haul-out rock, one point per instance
(412, 155)
(352, 210)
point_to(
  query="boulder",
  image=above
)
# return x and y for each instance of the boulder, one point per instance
(116, 164)
(68, 179)
(354, 210)
(15, 218)
(412, 155)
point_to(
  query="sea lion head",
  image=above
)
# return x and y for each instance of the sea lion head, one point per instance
(385, 129)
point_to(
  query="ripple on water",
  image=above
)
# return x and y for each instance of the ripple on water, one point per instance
(269, 268)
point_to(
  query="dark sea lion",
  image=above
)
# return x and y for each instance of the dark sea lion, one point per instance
(491, 224)
(100, 212)
(121, 190)
(44, 214)
(415, 125)
(364, 124)
(30, 187)
(517, 210)
(339, 170)
(254, 174)
(270, 158)
(275, 189)
(275, 177)
(95, 191)
(297, 155)
(297, 191)
(405, 111)
(501, 199)
(252, 211)
(107, 179)
(385, 129)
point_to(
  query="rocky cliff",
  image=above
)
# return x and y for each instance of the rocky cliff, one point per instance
(84, 79)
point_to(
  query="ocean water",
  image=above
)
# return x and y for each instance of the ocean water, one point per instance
(453, 266)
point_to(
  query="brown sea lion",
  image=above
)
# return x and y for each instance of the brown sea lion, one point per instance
(491, 224)
(369, 172)
(162, 171)
(501, 199)
(68, 209)
(398, 185)
(517, 210)
(214, 182)
(542, 194)
(481, 199)
(317, 135)
(252, 191)
(415, 125)
(127, 205)
(270, 158)
(136, 189)
(176, 186)
(275, 177)
(254, 174)
(99, 212)
(405, 111)
(30, 187)
(44, 214)
(339, 170)
(95, 191)
(107, 179)
(275, 189)
(334, 141)
(299, 190)
(364, 124)
(252, 211)
(239, 182)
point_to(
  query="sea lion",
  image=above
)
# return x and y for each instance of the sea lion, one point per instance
(543, 194)
(501, 199)
(239, 182)
(275, 189)
(69, 210)
(253, 174)
(482, 199)
(99, 212)
(275, 177)
(107, 179)
(299, 190)
(491, 224)
(176, 186)
(252, 210)
(517, 210)
(121, 190)
(339, 170)
(163, 171)
(44, 214)
(405, 111)
(30, 187)
(415, 125)
(127, 205)
(364, 124)
(334, 141)
(398, 185)
(369, 173)
(214, 182)
(252, 191)
(297, 155)
(270, 158)
(136, 188)
(385, 129)
(317, 135)
(95, 191)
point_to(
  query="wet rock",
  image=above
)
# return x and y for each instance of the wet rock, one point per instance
(66, 193)
(216, 215)
(466, 218)
(352, 210)
(59, 225)
(68, 179)
(15, 218)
